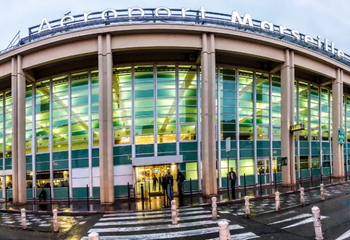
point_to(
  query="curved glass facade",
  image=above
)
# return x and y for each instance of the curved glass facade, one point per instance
(156, 113)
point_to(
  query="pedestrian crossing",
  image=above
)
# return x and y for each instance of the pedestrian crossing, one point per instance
(192, 223)
(289, 220)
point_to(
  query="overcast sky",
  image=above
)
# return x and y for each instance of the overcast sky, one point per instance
(326, 18)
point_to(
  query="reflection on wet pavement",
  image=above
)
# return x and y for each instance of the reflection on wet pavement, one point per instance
(43, 223)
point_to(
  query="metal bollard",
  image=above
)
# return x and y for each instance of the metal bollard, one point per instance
(224, 231)
(55, 220)
(277, 198)
(173, 212)
(316, 215)
(214, 209)
(322, 192)
(247, 208)
(302, 197)
(24, 220)
(94, 236)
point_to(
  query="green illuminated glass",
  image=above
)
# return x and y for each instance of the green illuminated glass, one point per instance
(228, 102)
(166, 104)
(188, 132)
(94, 98)
(246, 166)
(8, 124)
(42, 108)
(303, 112)
(144, 102)
(60, 106)
(122, 136)
(2, 132)
(29, 119)
(187, 98)
(276, 100)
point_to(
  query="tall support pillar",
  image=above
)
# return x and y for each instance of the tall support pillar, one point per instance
(287, 119)
(105, 68)
(14, 131)
(208, 114)
(21, 131)
(18, 88)
(337, 122)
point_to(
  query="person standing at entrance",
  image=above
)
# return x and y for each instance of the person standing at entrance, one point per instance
(180, 179)
(233, 177)
(155, 180)
(170, 184)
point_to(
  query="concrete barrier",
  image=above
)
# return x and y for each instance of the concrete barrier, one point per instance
(174, 212)
(24, 218)
(94, 236)
(302, 197)
(224, 231)
(316, 215)
(322, 192)
(214, 208)
(247, 207)
(277, 198)
(55, 220)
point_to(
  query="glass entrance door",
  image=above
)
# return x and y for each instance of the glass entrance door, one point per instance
(263, 170)
(151, 177)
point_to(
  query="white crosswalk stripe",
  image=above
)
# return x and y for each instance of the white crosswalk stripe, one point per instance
(150, 212)
(295, 221)
(157, 225)
(152, 228)
(241, 236)
(153, 216)
(152, 220)
(345, 235)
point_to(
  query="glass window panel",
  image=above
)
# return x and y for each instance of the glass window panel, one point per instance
(188, 132)
(122, 136)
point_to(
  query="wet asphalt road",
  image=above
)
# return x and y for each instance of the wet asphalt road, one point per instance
(293, 222)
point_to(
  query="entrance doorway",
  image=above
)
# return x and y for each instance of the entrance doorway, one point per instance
(264, 170)
(151, 178)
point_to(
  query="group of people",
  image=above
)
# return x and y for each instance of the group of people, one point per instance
(167, 182)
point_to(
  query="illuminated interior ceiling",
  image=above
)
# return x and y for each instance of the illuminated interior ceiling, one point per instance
(120, 102)
(188, 80)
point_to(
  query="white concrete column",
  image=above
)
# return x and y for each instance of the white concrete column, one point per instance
(14, 131)
(337, 122)
(105, 67)
(208, 114)
(287, 119)
(21, 131)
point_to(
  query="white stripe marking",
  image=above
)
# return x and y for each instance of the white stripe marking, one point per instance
(344, 235)
(83, 222)
(165, 235)
(44, 225)
(308, 220)
(152, 216)
(150, 212)
(241, 236)
(152, 221)
(158, 227)
(304, 215)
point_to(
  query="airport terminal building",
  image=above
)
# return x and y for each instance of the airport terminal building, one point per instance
(106, 100)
